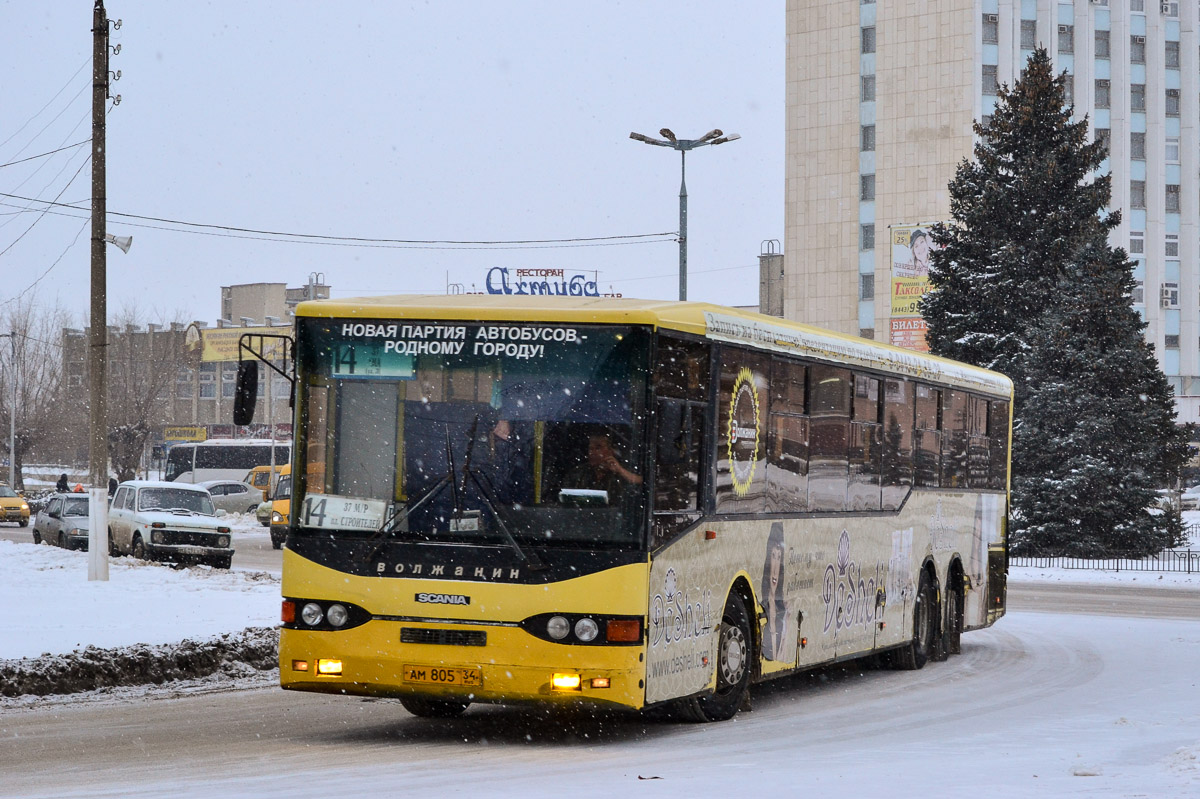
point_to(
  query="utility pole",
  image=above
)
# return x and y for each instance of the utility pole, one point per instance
(12, 413)
(98, 327)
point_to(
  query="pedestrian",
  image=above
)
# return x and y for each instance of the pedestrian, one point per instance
(62, 486)
(112, 486)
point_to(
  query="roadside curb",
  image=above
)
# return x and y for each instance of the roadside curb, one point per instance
(141, 664)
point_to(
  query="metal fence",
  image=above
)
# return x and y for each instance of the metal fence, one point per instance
(1172, 560)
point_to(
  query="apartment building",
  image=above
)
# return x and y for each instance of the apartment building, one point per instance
(881, 98)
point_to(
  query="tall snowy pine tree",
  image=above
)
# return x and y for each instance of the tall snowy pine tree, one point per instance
(1026, 284)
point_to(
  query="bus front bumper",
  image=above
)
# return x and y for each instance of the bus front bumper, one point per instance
(370, 660)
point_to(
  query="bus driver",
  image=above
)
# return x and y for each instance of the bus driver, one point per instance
(601, 471)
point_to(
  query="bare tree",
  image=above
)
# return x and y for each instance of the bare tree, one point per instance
(32, 358)
(142, 368)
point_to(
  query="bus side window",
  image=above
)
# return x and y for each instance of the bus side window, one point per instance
(978, 444)
(998, 451)
(866, 445)
(928, 437)
(829, 405)
(681, 380)
(897, 442)
(787, 445)
(954, 439)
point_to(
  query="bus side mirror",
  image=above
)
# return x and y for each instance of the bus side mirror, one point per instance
(246, 393)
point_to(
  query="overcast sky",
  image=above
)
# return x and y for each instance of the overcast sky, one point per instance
(439, 120)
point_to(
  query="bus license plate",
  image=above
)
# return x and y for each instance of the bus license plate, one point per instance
(443, 675)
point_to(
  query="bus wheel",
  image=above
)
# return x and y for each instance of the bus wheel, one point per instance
(916, 652)
(433, 708)
(952, 638)
(734, 652)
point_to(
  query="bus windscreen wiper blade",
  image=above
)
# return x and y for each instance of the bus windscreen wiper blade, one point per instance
(531, 557)
(377, 538)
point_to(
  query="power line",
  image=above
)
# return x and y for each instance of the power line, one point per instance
(62, 255)
(43, 213)
(86, 61)
(312, 243)
(361, 240)
(53, 120)
(43, 155)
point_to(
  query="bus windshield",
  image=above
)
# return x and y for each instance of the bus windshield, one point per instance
(470, 432)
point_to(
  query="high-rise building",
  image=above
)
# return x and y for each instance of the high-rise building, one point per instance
(881, 99)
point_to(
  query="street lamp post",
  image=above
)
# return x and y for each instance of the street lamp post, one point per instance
(683, 145)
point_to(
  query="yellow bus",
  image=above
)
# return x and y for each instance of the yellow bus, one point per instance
(644, 504)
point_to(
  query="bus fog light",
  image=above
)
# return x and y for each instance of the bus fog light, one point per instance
(558, 627)
(565, 682)
(311, 614)
(332, 667)
(586, 630)
(337, 615)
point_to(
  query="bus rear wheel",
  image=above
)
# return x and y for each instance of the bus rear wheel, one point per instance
(734, 654)
(434, 708)
(952, 638)
(915, 653)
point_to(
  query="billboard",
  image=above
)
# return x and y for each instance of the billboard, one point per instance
(221, 344)
(911, 248)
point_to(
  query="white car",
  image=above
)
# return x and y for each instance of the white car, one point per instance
(173, 522)
(232, 496)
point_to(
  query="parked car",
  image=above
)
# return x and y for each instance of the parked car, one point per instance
(232, 496)
(280, 508)
(174, 522)
(63, 521)
(1190, 499)
(13, 507)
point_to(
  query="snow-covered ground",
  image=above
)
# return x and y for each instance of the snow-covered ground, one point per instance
(1043, 704)
(57, 610)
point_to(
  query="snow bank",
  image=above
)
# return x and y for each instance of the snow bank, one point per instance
(92, 668)
(1034, 574)
(60, 611)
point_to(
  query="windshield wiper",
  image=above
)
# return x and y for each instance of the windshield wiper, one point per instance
(531, 557)
(375, 542)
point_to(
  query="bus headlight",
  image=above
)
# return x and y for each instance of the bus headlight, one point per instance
(311, 614)
(337, 615)
(558, 627)
(586, 630)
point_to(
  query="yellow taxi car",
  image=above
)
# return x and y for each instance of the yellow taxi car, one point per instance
(281, 505)
(13, 507)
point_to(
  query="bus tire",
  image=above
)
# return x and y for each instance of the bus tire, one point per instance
(915, 654)
(735, 651)
(434, 708)
(952, 637)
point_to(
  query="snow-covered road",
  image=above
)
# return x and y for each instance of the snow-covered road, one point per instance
(1043, 704)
